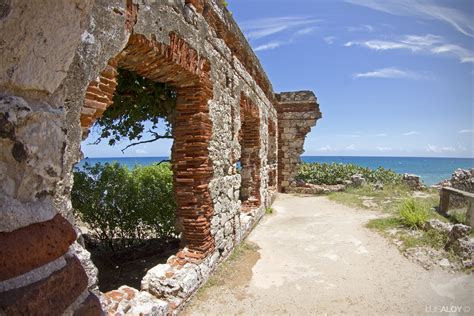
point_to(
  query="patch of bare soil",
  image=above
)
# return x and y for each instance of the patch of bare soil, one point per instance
(232, 278)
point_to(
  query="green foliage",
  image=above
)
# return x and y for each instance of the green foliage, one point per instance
(123, 207)
(458, 216)
(269, 210)
(385, 223)
(337, 173)
(413, 214)
(156, 197)
(435, 239)
(136, 101)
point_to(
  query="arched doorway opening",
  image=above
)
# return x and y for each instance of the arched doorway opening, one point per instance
(180, 67)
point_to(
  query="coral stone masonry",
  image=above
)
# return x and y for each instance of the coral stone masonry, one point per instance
(235, 142)
(297, 113)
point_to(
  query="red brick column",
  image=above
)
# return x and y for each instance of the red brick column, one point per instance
(192, 168)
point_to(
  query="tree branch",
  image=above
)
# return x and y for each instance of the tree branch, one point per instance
(96, 142)
(157, 137)
(166, 160)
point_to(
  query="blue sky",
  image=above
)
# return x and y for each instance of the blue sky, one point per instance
(393, 77)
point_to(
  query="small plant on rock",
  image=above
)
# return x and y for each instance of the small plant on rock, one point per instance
(413, 214)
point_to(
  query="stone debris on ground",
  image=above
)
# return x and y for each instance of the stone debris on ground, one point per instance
(413, 181)
(308, 188)
(459, 242)
(358, 180)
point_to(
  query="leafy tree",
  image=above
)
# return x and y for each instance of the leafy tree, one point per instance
(137, 100)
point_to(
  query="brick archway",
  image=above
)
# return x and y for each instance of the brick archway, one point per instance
(178, 65)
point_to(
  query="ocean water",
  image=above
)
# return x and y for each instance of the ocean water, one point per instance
(431, 170)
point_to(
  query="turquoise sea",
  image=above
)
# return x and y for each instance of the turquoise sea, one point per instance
(431, 170)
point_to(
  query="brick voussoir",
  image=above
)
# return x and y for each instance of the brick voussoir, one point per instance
(50, 296)
(32, 246)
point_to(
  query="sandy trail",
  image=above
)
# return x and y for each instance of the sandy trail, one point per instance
(316, 257)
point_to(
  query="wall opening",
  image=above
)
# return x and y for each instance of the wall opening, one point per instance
(180, 67)
(249, 138)
(128, 212)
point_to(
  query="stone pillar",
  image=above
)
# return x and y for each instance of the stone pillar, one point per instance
(297, 113)
(444, 201)
(470, 212)
(38, 269)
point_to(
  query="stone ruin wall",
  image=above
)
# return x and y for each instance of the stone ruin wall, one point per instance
(461, 179)
(57, 76)
(297, 113)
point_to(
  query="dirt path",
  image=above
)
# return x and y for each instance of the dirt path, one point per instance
(316, 257)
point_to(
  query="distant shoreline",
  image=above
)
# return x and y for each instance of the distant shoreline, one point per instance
(431, 170)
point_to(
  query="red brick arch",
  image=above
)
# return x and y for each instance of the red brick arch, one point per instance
(180, 66)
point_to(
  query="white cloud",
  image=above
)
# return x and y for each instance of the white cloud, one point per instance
(260, 28)
(305, 31)
(427, 9)
(381, 135)
(351, 147)
(268, 46)
(329, 39)
(411, 133)
(465, 131)
(464, 55)
(384, 148)
(436, 149)
(390, 72)
(421, 40)
(382, 45)
(427, 44)
(326, 148)
(361, 28)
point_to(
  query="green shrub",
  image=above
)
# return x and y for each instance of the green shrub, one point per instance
(435, 239)
(337, 173)
(123, 207)
(156, 197)
(413, 214)
(269, 210)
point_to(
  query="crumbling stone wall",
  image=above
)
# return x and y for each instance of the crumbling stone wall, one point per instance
(461, 179)
(57, 76)
(297, 113)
